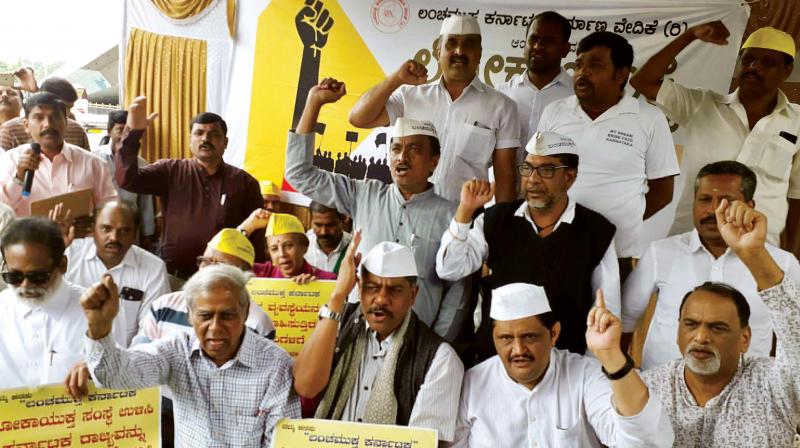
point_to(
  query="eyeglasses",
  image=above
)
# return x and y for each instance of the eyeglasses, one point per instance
(15, 278)
(545, 171)
(205, 261)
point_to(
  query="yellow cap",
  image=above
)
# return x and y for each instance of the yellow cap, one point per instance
(283, 223)
(771, 39)
(233, 242)
(268, 188)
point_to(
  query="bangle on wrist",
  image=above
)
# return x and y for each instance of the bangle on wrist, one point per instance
(619, 374)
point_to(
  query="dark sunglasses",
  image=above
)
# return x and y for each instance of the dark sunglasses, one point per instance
(15, 278)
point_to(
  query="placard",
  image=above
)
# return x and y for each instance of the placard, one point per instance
(293, 433)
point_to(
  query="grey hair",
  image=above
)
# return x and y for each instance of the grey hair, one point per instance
(216, 276)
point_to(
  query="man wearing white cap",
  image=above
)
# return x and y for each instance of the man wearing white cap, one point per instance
(755, 125)
(478, 125)
(545, 239)
(407, 211)
(553, 398)
(628, 157)
(377, 362)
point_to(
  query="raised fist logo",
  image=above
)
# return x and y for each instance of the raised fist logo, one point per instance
(313, 24)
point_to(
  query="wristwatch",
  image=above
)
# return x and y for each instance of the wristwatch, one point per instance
(327, 313)
(621, 372)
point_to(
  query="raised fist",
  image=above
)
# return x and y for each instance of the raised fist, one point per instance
(714, 32)
(329, 90)
(476, 193)
(100, 305)
(411, 72)
(313, 24)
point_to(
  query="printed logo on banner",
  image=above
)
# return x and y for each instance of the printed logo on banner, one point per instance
(389, 16)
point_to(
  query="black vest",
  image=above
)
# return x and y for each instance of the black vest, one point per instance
(562, 262)
(419, 348)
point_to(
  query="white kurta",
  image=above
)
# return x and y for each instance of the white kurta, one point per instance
(39, 344)
(570, 407)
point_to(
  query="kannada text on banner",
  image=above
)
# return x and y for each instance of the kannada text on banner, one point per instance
(290, 433)
(47, 417)
(293, 308)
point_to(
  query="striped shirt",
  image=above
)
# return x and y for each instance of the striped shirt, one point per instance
(13, 134)
(236, 404)
(437, 399)
(169, 315)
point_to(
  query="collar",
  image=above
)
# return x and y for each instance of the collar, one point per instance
(53, 307)
(129, 259)
(566, 217)
(696, 245)
(626, 105)
(425, 195)
(733, 98)
(380, 348)
(562, 78)
(246, 355)
(475, 84)
(220, 171)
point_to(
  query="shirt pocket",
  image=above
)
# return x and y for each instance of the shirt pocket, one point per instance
(774, 160)
(475, 145)
(569, 437)
(249, 431)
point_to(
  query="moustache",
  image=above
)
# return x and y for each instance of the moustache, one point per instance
(113, 245)
(708, 220)
(522, 358)
(381, 309)
(50, 132)
(753, 75)
(206, 146)
(462, 59)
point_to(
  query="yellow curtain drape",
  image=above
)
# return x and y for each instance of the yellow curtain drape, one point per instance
(181, 9)
(171, 72)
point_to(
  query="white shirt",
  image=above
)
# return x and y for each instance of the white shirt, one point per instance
(716, 128)
(465, 253)
(437, 399)
(319, 259)
(39, 344)
(531, 101)
(674, 266)
(620, 151)
(138, 270)
(570, 407)
(469, 128)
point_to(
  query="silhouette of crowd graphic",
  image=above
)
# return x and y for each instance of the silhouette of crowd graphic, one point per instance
(357, 167)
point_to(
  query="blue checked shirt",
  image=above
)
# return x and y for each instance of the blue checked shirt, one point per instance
(237, 404)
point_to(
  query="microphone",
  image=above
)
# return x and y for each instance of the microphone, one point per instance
(28, 180)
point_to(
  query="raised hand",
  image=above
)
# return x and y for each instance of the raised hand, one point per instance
(313, 24)
(100, 305)
(258, 219)
(28, 160)
(411, 72)
(476, 193)
(329, 90)
(137, 114)
(27, 79)
(60, 216)
(741, 226)
(603, 331)
(714, 32)
(346, 279)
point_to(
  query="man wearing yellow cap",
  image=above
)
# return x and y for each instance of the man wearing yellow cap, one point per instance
(287, 244)
(272, 196)
(552, 398)
(376, 361)
(755, 125)
(478, 125)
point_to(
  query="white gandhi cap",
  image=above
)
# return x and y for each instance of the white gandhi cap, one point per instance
(456, 24)
(517, 301)
(390, 260)
(548, 143)
(404, 127)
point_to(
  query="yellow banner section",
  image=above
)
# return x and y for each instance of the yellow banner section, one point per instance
(46, 417)
(292, 307)
(290, 433)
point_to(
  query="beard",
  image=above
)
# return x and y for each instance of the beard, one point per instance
(37, 295)
(709, 366)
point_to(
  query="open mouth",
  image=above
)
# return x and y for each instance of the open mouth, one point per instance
(401, 169)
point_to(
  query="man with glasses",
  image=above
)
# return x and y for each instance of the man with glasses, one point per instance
(673, 266)
(41, 320)
(545, 239)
